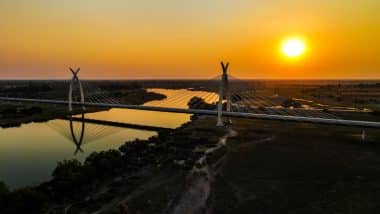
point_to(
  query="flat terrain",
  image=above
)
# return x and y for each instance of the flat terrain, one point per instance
(298, 168)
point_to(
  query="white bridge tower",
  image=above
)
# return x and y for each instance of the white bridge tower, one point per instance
(75, 79)
(224, 93)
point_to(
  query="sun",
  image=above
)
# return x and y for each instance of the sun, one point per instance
(293, 47)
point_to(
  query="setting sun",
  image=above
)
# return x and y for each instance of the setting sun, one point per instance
(293, 47)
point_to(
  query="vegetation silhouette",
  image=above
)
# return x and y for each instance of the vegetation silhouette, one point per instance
(72, 180)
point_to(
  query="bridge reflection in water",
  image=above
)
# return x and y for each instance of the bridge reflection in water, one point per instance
(81, 130)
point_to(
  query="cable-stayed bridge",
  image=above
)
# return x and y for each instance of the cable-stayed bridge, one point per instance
(233, 98)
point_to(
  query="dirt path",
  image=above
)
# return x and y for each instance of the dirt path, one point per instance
(194, 199)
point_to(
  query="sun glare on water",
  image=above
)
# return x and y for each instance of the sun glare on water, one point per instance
(293, 47)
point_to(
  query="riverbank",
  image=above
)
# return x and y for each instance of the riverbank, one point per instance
(123, 179)
(249, 166)
(16, 114)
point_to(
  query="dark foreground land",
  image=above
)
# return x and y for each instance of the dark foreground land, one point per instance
(298, 168)
(249, 166)
(264, 167)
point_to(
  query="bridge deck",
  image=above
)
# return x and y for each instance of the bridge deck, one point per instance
(316, 120)
(118, 124)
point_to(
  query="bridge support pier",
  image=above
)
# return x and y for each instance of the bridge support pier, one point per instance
(224, 92)
(73, 80)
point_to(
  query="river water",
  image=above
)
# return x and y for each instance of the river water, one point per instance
(28, 154)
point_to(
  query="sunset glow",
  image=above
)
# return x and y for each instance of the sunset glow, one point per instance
(187, 39)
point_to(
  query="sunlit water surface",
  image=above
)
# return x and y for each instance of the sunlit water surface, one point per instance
(28, 154)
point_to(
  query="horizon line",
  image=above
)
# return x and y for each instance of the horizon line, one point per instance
(194, 79)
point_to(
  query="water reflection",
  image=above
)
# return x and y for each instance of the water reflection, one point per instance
(81, 131)
(77, 142)
(28, 154)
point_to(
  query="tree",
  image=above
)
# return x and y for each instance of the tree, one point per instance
(4, 191)
(67, 169)
(199, 103)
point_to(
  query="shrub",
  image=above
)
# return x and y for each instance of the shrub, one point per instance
(4, 191)
(136, 147)
(199, 103)
(103, 163)
(67, 170)
(291, 103)
(26, 200)
(376, 112)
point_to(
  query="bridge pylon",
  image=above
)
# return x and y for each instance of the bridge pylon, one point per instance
(224, 92)
(78, 142)
(75, 79)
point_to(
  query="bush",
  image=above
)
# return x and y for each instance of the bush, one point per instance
(32, 110)
(103, 163)
(199, 103)
(291, 103)
(4, 191)
(26, 200)
(67, 170)
(376, 112)
(68, 180)
(133, 148)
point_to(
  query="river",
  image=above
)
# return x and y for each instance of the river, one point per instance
(28, 154)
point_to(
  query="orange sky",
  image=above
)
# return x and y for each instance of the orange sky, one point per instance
(186, 39)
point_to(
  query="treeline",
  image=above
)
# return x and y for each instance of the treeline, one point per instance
(359, 86)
